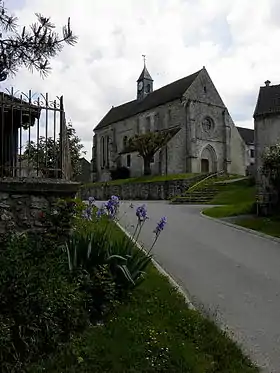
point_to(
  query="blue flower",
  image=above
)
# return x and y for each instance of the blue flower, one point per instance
(160, 226)
(87, 213)
(141, 213)
(115, 200)
(100, 212)
(91, 200)
(111, 208)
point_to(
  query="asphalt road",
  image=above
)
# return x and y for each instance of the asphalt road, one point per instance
(230, 273)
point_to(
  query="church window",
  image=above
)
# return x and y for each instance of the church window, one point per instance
(125, 142)
(138, 125)
(207, 125)
(148, 88)
(204, 88)
(157, 123)
(169, 116)
(107, 150)
(128, 160)
(102, 151)
(148, 124)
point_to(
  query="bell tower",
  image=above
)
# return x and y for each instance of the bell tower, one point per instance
(144, 83)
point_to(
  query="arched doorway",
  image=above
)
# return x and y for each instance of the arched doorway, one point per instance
(208, 160)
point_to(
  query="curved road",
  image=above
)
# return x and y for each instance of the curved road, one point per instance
(230, 273)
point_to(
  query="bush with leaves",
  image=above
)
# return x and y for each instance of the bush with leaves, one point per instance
(39, 307)
(271, 170)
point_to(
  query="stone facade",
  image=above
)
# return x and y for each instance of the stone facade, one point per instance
(22, 201)
(161, 190)
(207, 142)
(267, 133)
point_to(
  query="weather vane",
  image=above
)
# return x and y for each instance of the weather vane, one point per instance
(144, 58)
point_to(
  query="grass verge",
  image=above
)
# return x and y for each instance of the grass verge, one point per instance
(143, 179)
(236, 198)
(153, 331)
(270, 226)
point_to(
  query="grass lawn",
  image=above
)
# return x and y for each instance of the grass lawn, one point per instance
(153, 331)
(144, 179)
(269, 226)
(236, 199)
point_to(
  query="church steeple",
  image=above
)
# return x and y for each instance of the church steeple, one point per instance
(144, 83)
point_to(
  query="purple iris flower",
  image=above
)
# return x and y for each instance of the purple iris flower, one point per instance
(111, 207)
(91, 200)
(87, 213)
(115, 200)
(141, 213)
(160, 226)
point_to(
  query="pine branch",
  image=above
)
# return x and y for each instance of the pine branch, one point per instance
(32, 48)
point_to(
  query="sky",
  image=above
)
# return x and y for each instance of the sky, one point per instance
(236, 40)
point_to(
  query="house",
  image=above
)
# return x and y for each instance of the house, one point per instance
(266, 119)
(85, 168)
(206, 141)
(247, 135)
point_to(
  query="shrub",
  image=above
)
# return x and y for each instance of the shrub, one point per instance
(120, 173)
(39, 308)
(100, 290)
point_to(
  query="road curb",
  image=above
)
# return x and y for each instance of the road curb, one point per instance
(161, 270)
(239, 227)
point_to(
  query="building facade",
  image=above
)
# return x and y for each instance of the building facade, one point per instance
(247, 135)
(207, 140)
(267, 133)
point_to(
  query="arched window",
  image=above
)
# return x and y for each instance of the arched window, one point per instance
(107, 150)
(102, 151)
(125, 142)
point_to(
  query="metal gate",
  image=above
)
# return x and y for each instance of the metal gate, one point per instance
(33, 136)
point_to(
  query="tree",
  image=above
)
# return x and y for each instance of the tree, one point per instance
(271, 169)
(47, 153)
(33, 47)
(148, 144)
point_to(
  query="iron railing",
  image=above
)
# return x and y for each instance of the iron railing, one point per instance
(33, 136)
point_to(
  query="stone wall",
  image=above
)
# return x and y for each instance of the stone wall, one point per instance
(160, 190)
(22, 201)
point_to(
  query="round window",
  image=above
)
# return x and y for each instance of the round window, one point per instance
(207, 125)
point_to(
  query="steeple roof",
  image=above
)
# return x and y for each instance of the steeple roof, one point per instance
(145, 74)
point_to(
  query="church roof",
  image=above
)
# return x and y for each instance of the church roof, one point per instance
(145, 74)
(268, 100)
(247, 135)
(158, 97)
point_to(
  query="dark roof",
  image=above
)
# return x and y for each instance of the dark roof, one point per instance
(145, 75)
(268, 100)
(158, 97)
(247, 134)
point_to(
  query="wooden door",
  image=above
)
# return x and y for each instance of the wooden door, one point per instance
(204, 165)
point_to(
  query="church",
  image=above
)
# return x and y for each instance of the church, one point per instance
(205, 138)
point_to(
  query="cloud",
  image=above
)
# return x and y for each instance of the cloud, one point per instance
(237, 41)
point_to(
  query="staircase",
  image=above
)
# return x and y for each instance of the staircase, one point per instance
(200, 193)
(201, 196)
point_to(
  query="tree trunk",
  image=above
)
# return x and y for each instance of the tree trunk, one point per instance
(147, 166)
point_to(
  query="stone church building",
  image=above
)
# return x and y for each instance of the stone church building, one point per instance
(206, 139)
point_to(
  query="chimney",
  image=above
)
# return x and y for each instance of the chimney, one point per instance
(267, 83)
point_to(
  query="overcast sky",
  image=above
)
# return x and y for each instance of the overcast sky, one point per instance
(236, 40)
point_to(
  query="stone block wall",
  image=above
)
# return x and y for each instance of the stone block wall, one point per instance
(22, 201)
(160, 190)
